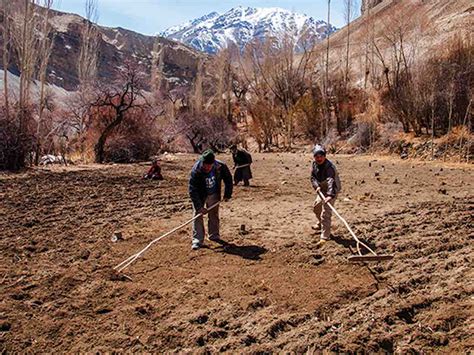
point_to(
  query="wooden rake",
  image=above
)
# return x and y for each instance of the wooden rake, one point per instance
(127, 262)
(354, 258)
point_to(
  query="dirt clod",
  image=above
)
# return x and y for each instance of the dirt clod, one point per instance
(5, 326)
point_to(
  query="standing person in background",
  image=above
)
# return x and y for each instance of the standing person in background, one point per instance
(325, 179)
(242, 162)
(205, 183)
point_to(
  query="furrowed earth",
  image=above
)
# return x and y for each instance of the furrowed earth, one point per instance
(269, 288)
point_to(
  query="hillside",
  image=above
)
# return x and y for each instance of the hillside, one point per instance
(116, 46)
(425, 25)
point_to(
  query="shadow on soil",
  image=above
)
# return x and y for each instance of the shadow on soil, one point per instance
(251, 252)
(351, 243)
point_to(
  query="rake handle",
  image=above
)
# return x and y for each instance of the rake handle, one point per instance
(323, 198)
(127, 262)
(241, 166)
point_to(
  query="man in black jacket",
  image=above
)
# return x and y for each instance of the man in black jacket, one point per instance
(325, 179)
(205, 191)
(242, 162)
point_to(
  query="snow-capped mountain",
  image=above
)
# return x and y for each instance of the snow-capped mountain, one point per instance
(241, 25)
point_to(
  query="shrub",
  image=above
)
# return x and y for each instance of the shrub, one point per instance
(16, 140)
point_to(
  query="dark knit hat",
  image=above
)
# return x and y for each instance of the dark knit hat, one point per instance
(208, 156)
(319, 150)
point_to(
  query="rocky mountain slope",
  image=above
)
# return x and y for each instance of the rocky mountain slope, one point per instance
(425, 25)
(242, 25)
(368, 4)
(116, 46)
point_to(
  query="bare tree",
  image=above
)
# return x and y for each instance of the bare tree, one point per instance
(197, 100)
(157, 65)
(369, 24)
(23, 27)
(223, 92)
(112, 104)
(88, 57)
(6, 32)
(349, 15)
(46, 42)
(26, 45)
(326, 85)
(175, 99)
(205, 130)
(87, 73)
(450, 96)
(280, 77)
(396, 57)
(466, 123)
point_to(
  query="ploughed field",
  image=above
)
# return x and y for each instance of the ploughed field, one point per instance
(268, 289)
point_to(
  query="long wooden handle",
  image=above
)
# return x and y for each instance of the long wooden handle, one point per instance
(241, 166)
(127, 262)
(345, 223)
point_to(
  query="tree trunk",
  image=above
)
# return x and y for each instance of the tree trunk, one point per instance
(99, 148)
(327, 48)
(432, 132)
(6, 56)
(195, 145)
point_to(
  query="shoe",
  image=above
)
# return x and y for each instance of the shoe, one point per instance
(321, 243)
(195, 246)
(215, 238)
(316, 227)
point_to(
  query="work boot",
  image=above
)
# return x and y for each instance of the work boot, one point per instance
(215, 238)
(321, 243)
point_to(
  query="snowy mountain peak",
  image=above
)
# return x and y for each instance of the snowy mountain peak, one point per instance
(241, 25)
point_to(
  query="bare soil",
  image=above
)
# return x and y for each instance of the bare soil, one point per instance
(268, 290)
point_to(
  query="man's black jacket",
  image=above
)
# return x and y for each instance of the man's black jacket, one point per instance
(197, 182)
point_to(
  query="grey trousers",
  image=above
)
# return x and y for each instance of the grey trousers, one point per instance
(324, 213)
(212, 223)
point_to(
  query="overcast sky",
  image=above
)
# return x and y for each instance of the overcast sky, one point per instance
(153, 16)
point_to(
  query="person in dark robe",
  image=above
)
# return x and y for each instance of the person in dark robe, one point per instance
(242, 163)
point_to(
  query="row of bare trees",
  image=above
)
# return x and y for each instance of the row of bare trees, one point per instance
(275, 93)
(26, 36)
(277, 79)
(31, 120)
(292, 95)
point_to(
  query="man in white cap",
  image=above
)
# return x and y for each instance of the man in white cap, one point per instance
(325, 179)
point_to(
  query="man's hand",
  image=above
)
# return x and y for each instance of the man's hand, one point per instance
(318, 189)
(328, 199)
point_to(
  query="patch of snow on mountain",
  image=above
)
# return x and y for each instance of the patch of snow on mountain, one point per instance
(61, 23)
